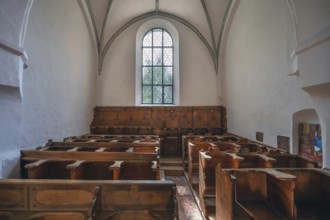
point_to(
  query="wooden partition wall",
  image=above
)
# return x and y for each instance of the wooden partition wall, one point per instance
(169, 122)
(160, 117)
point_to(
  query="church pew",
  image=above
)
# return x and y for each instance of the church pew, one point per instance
(184, 145)
(193, 160)
(209, 159)
(312, 192)
(90, 170)
(248, 147)
(81, 200)
(149, 145)
(193, 156)
(208, 138)
(292, 161)
(230, 138)
(109, 137)
(254, 194)
(68, 162)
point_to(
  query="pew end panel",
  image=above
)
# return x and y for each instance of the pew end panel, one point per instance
(193, 158)
(312, 192)
(208, 160)
(86, 200)
(143, 200)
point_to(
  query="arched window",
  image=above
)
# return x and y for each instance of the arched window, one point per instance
(157, 67)
(157, 64)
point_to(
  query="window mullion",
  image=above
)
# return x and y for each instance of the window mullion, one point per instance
(152, 67)
(162, 66)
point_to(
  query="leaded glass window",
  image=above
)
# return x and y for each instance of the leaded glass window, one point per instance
(157, 67)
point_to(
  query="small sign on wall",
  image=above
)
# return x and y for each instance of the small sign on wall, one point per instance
(283, 143)
(259, 136)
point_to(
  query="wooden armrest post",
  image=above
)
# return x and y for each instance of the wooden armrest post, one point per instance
(161, 175)
(155, 168)
(265, 161)
(235, 160)
(76, 169)
(34, 169)
(116, 169)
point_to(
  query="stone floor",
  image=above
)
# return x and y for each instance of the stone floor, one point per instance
(188, 208)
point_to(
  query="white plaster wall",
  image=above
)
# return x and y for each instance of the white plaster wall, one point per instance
(313, 55)
(258, 93)
(13, 17)
(59, 85)
(198, 81)
(314, 41)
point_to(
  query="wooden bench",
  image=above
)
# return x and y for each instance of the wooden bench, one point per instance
(148, 144)
(81, 200)
(254, 194)
(249, 147)
(193, 157)
(111, 138)
(312, 192)
(184, 147)
(292, 161)
(231, 138)
(111, 143)
(208, 160)
(76, 161)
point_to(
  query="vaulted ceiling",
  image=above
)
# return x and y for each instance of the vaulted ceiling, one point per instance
(109, 18)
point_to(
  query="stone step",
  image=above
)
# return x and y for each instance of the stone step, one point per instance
(172, 170)
(170, 162)
(210, 205)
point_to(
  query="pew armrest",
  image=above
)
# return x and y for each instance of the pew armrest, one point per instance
(75, 164)
(116, 165)
(35, 164)
(281, 175)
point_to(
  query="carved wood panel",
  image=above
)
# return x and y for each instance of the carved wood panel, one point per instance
(172, 117)
(186, 117)
(157, 117)
(213, 117)
(160, 117)
(199, 117)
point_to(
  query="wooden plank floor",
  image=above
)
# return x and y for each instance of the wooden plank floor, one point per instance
(188, 208)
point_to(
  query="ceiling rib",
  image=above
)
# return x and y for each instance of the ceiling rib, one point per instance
(223, 24)
(105, 20)
(163, 14)
(157, 5)
(102, 34)
(89, 7)
(207, 15)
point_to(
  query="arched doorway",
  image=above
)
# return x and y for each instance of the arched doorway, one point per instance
(307, 135)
